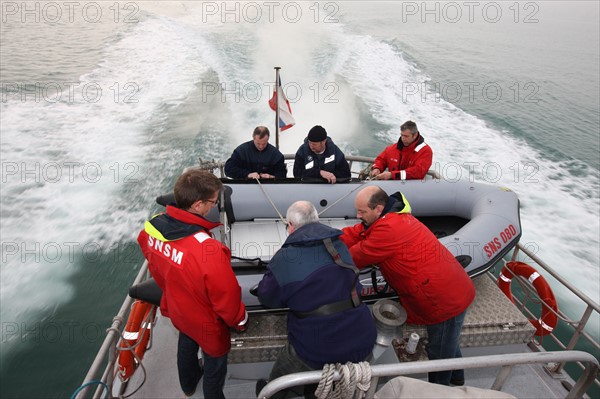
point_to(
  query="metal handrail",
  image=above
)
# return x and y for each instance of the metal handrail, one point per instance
(590, 302)
(561, 315)
(109, 343)
(350, 158)
(505, 361)
(537, 346)
(580, 325)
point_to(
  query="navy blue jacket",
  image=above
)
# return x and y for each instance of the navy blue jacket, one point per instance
(247, 159)
(309, 164)
(303, 276)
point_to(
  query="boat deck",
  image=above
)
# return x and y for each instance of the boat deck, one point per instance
(493, 325)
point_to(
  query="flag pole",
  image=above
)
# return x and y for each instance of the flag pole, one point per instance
(277, 107)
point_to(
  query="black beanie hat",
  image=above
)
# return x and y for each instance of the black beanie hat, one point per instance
(317, 134)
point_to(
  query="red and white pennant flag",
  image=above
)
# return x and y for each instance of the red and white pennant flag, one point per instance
(286, 120)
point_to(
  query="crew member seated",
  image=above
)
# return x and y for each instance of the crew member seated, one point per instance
(319, 157)
(256, 159)
(408, 159)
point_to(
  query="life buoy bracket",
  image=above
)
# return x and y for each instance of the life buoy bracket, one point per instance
(135, 338)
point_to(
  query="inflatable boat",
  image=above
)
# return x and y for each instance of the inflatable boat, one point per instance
(478, 223)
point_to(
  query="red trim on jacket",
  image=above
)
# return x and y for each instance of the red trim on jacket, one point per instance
(414, 163)
(201, 294)
(431, 284)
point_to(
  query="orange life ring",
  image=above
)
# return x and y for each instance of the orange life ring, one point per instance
(546, 323)
(137, 332)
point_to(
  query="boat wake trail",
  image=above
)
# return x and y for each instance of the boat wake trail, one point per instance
(559, 200)
(80, 172)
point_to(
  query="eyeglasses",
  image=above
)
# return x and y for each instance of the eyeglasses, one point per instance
(214, 202)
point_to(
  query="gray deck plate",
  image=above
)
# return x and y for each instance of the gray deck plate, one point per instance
(491, 320)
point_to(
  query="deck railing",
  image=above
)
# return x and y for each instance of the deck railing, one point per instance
(506, 362)
(578, 326)
(106, 357)
(213, 165)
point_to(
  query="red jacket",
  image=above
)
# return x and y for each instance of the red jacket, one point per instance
(431, 284)
(406, 163)
(201, 294)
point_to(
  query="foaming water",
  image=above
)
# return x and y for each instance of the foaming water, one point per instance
(559, 200)
(465, 147)
(72, 163)
(159, 111)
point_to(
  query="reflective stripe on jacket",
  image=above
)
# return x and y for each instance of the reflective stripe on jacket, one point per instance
(406, 163)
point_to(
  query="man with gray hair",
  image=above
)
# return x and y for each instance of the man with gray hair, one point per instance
(409, 158)
(313, 275)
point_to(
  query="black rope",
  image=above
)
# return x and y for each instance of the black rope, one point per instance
(259, 261)
(374, 283)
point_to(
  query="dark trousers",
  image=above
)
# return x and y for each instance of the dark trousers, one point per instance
(190, 371)
(444, 343)
(288, 362)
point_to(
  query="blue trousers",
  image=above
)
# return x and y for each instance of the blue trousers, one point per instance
(444, 343)
(190, 371)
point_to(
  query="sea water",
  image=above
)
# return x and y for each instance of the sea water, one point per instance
(104, 104)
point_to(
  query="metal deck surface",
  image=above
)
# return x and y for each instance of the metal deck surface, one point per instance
(493, 325)
(491, 320)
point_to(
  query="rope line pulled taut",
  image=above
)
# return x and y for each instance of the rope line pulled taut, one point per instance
(270, 200)
(320, 213)
(342, 197)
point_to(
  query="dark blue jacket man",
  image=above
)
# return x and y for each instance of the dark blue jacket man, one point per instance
(320, 157)
(326, 323)
(256, 159)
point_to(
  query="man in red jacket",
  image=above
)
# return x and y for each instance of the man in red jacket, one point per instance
(431, 284)
(201, 294)
(408, 159)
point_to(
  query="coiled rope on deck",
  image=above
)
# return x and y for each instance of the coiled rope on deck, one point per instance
(354, 382)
